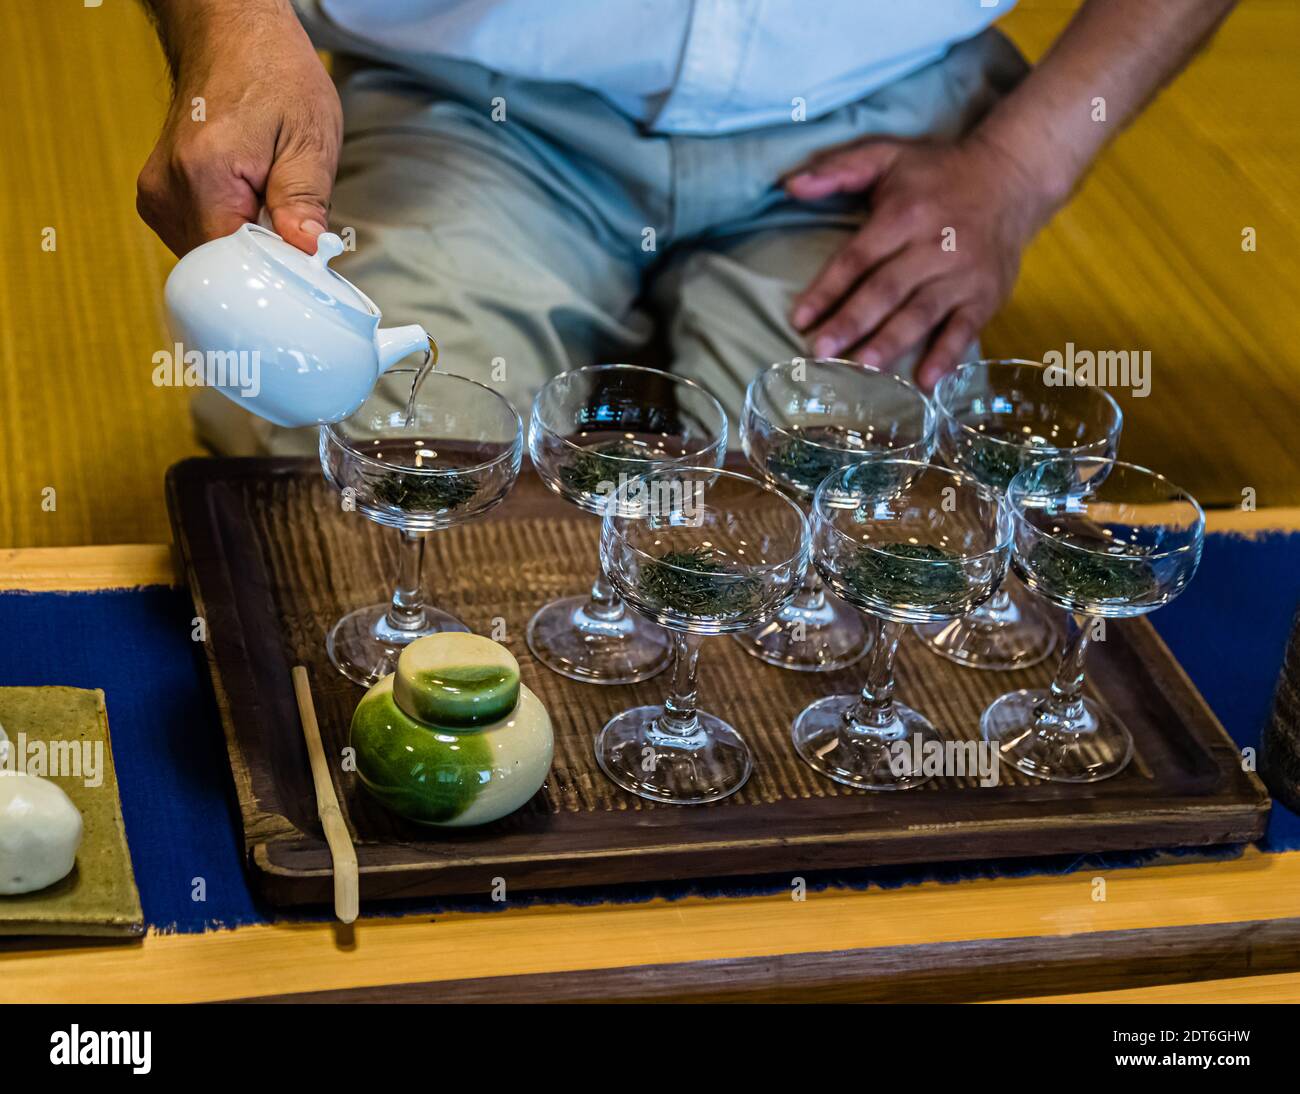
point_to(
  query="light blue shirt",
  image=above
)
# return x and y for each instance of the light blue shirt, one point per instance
(685, 66)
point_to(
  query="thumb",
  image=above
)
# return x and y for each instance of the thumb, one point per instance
(848, 170)
(298, 198)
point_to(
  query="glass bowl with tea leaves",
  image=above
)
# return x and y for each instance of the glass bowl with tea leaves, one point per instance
(802, 420)
(591, 429)
(418, 459)
(1103, 540)
(995, 418)
(903, 542)
(699, 551)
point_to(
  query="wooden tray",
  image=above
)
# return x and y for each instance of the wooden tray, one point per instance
(272, 560)
(99, 897)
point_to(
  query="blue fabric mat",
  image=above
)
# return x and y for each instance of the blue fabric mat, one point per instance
(1229, 631)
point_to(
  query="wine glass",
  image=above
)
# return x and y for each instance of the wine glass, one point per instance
(995, 418)
(905, 542)
(1103, 540)
(699, 551)
(418, 460)
(590, 429)
(803, 420)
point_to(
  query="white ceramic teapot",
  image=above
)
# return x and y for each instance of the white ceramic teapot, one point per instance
(278, 331)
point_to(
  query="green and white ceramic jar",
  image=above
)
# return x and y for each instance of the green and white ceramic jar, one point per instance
(452, 738)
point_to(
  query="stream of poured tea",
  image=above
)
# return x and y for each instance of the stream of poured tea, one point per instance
(429, 363)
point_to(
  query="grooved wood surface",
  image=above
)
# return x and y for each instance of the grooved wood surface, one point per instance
(1146, 256)
(322, 563)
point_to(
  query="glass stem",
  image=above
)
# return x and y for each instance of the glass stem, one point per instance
(406, 613)
(679, 718)
(1062, 709)
(811, 596)
(606, 605)
(993, 611)
(873, 713)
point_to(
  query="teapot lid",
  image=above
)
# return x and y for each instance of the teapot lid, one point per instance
(313, 269)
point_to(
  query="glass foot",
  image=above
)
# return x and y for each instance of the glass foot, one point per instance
(1013, 635)
(364, 647)
(832, 637)
(640, 757)
(567, 639)
(825, 738)
(1101, 747)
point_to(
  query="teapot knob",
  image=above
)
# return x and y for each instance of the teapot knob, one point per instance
(328, 246)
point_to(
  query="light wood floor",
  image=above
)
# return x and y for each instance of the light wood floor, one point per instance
(1148, 257)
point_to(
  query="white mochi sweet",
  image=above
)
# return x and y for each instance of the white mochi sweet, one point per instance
(40, 831)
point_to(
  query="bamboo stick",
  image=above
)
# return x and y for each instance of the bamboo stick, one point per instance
(347, 882)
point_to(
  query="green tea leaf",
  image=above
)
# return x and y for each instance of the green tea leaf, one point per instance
(424, 493)
(907, 573)
(803, 465)
(587, 471)
(695, 583)
(1089, 576)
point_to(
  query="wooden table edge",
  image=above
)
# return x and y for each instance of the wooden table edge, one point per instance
(1182, 964)
(86, 569)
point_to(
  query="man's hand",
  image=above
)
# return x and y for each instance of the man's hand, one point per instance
(270, 132)
(894, 287)
(936, 258)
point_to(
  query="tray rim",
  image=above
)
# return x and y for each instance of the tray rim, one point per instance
(1244, 815)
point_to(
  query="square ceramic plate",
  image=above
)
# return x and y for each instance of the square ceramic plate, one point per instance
(99, 897)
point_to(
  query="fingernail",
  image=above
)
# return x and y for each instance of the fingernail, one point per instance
(826, 346)
(313, 228)
(803, 315)
(870, 358)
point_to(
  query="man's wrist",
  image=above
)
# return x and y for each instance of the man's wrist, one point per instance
(192, 28)
(1047, 170)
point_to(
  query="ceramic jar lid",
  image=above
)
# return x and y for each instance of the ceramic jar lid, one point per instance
(456, 680)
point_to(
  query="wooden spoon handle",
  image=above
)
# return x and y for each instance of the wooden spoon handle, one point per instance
(347, 883)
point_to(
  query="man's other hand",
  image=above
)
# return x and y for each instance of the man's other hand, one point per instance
(936, 258)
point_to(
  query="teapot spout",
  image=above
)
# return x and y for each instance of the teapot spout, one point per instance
(394, 343)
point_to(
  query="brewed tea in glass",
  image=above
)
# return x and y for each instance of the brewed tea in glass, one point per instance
(697, 551)
(592, 429)
(996, 417)
(803, 420)
(1102, 540)
(904, 542)
(417, 460)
